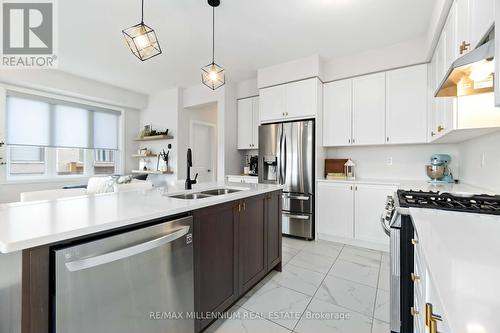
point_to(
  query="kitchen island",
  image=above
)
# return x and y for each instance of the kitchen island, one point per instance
(236, 241)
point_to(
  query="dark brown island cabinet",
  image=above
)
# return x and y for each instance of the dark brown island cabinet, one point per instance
(236, 244)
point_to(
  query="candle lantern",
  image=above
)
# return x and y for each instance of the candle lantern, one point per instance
(349, 171)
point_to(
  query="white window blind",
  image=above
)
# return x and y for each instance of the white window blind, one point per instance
(34, 121)
(28, 122)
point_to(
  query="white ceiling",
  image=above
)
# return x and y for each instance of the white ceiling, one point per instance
(250, 34)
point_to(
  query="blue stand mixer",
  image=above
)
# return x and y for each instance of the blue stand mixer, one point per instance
(439, 171)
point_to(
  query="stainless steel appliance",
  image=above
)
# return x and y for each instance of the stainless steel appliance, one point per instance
(286, 156)
(397, 223)
(119, 284)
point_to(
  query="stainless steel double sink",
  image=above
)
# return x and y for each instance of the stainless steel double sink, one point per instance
(204, 194)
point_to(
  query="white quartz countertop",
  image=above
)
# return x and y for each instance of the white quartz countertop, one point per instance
(463, 256)
(416, 185)
(31, 224)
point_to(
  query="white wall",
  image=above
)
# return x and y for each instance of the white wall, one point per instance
(74, 86)
(298, 69)
(473, 172)
(205, 113)
(162, 113)
(398, 55)
(408, 161)
(64, 84)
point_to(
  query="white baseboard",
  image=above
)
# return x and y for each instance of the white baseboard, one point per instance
(354, 242)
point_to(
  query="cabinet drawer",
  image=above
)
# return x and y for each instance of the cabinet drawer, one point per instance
(301, 203)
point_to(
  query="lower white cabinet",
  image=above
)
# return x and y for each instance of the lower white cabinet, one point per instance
(243, 179)
(369, 204)
(426, 299)
(351, 212)
(335, 209)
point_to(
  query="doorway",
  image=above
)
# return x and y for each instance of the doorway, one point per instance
(202, 140)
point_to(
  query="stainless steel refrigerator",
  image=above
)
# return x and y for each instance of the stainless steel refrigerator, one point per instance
(286, 156)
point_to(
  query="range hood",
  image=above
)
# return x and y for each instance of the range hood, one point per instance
(470, 74)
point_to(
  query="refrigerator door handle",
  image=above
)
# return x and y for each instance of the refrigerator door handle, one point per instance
(285, 158)
(280, 158)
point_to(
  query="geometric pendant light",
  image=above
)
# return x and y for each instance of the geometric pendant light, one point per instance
(212, 75)
(142, 40)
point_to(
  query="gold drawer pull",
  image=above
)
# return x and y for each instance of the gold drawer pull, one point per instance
(414, 277)
(430, 317)
(414, 312)
(414, 241)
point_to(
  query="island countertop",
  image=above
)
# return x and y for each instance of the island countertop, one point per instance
(461, 251)
(29, 224)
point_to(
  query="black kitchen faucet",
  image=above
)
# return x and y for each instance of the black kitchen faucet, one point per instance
(189, 164)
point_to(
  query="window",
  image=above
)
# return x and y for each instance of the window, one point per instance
(70, 161)
(49, 138)
(27, 160)
(104, 161)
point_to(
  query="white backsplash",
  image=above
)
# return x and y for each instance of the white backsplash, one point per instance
(481, 162)
(408, 161)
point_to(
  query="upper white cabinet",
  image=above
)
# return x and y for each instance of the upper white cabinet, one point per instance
(337, 121)
(248, 123)
(406, 98)
(458, 119)
(272, 103)
(482, 18)
(294, 100)
(368, 109)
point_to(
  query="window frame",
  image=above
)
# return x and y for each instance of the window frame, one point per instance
(50, 174)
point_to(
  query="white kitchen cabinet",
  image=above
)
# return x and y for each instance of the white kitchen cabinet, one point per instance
(368, 109)
(350, 212)
(337, 113)
(295, 100)
(243, 179)
(335, 210)
(255, 122)
(425, 292)
(245, 122)
(450, 31)
(302, 98)
(482, 18)
(497, 56)
(368, 200)
(463, 26)
(272, 103)
(406, 109)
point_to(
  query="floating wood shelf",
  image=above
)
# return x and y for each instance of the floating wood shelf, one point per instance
(144, 156)
(155, 137)
(153, 172)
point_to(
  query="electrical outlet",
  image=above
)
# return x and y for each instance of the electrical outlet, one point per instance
(483, 160)
(389, 161)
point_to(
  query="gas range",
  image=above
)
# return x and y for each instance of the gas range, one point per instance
(474, 203)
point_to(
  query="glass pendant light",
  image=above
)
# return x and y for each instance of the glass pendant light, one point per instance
(212, 75)
(142, 40)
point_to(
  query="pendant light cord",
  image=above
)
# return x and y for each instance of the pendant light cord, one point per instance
(142, 12)
(213, 34)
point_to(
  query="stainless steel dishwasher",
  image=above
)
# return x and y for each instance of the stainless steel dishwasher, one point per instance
(136, 281)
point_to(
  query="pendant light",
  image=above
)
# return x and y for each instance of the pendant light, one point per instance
(212, 75)
(142, 40)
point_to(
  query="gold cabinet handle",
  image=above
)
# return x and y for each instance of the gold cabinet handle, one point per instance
(415, 277)
(440, 128)
(414, 312)
(464, 47)
(430, 317)
(433, 327)
(414, 241)
(432, 133)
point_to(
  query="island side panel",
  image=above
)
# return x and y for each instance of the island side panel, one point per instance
(274, 227)
(35, 290)
(10, 292)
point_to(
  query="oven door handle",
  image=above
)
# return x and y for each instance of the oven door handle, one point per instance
(108, 257)
(295, 197)
(295, 216)
(386, 228)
